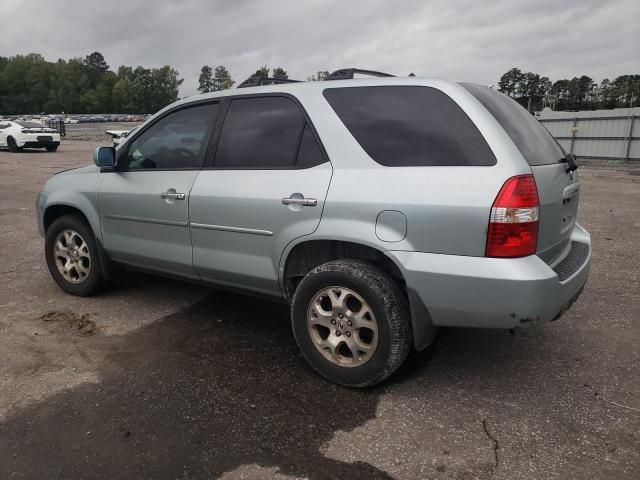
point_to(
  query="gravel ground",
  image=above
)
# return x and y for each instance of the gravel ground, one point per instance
(163, 379)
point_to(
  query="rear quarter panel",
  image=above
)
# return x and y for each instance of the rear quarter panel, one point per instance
(447, 208)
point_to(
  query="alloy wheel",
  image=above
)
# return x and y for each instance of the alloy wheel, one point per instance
(342, 326)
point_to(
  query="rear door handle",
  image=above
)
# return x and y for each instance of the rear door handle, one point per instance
(305, 202)
(172, 194)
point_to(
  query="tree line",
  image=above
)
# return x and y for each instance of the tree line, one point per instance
(30, 84)
(535, 92)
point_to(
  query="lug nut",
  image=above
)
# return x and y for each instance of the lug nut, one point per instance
(341, 315)
(349, 323)
(348, 334)
(333, 321)
(337, 333)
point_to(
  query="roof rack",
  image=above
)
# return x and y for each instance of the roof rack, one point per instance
(348, 73)
(257, 81)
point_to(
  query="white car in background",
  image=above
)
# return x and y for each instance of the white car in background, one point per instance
(19, 134)
(118, 136)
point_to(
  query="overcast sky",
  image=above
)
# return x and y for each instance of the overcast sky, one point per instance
(462, 40)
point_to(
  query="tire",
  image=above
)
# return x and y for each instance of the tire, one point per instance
(51, 148)
(369, 294)
(13, 146)
(84, 275)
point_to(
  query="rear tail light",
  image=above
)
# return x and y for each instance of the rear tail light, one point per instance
(513, 225)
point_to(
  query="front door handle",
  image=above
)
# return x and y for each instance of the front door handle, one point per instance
(171, 194)
(305, 202)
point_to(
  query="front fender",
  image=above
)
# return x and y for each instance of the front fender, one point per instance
(79, 201)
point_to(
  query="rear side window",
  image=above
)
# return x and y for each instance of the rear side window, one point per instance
(402, 126)
(309, 154)
(259, 133)
(535, 143)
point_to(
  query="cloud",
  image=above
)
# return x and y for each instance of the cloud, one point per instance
(461, 40)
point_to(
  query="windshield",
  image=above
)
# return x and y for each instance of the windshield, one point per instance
(535, 143)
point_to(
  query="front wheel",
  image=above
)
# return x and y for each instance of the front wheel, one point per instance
(351, 322)
(70, 250)
(51, 148)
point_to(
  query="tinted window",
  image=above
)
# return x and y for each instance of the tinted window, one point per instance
(309, 154)
(262, 132)
(173, 142)
(3, 126)
(28, 124)
(535, 143)
(402, 126)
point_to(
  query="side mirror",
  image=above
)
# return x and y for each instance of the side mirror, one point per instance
(105, 158)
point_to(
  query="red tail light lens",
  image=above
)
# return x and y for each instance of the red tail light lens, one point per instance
(513, 225)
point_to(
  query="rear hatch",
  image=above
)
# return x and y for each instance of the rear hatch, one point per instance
(558, 188)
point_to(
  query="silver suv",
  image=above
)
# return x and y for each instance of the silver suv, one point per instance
(379, 208)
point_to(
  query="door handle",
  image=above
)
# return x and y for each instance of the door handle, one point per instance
(172, 195)
(305, 202)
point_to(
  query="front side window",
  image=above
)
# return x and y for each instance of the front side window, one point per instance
(176, 141)
(260, 133)
(403, 126)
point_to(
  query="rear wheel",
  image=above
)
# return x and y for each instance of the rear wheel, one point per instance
(70, 250)
(13, 145)
(51, 148)
(351, 322)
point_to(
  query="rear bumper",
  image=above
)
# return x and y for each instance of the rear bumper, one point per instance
(459, 291)
(39, 144)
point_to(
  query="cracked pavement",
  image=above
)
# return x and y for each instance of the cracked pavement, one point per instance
(184, 381)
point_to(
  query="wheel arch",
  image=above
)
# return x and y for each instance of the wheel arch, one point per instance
(57, 210)
(64, 203)
(53, 212)
(302, 257)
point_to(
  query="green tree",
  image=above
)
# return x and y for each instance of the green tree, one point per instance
(280, 73)
(222, 79)
(205, 80)
(165, 87)
(318, 76)
(30, 84)
(262, 72)
(510, 81)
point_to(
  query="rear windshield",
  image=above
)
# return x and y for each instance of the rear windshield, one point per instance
(403, 126)
(24, 124)
(535, 143)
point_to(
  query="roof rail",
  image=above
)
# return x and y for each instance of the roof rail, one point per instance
(257, 81)
(348, 73)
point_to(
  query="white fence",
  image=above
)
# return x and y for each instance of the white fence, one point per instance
(597, 134)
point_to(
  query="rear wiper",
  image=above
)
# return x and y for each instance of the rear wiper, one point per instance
(570, 160)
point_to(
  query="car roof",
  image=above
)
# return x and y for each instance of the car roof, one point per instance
(299, 87)
(300, 90)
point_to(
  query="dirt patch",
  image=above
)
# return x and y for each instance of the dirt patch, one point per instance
(80, 325)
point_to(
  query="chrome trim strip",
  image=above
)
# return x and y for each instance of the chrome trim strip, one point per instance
(147, 220)
(224, 228)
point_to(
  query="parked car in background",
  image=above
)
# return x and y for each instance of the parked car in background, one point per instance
(119, 135)
(20, 134)
(380, 209)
